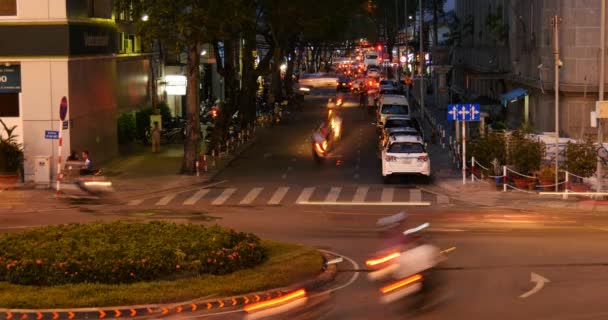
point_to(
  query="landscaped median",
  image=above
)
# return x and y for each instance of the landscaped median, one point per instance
(119, 264)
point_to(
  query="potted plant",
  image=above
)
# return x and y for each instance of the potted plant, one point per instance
(11, 156)
(526, 156)
(546, 178)
(581, 160)
(487, 149)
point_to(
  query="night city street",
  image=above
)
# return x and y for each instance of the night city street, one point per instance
(302, 160)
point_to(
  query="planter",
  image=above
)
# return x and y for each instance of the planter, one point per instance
(9, 179)
(524, 183)
(579, 187)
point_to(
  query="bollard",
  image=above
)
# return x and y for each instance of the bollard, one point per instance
(566, 185)
(205, 167)
(472, 169)
(198, 173)
(504, 178)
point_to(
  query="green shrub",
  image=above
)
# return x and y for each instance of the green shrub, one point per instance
(142, 123)
(119, 252)
(11, 154)
(581, 158)
(489, 147)
(526, 153)
(126, 128)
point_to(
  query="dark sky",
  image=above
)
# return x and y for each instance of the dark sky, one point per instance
(449, 5)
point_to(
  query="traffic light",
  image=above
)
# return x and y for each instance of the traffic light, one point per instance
(379, 47)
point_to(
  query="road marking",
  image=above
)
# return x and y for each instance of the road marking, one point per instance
(278, 196)
(351, 280)
(378, 204)
(166, 199)
(251, 195)
(387, 194)
(223, 197)
(135, 202)
(196, 197)
(333, 194)
(415, 195)
(539, 284)
(305, 194)
(360, 194)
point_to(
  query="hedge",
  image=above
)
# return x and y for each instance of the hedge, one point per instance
(121, 252)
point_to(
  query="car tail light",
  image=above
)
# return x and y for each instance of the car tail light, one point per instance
(382, 260)
(401, 283)
(391, 158)
(423, 158)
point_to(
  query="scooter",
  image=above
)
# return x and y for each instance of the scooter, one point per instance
(84, 184)
(407, 270)
(320, 147)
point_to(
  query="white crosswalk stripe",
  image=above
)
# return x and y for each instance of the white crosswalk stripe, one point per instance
(415, 195)
(166, 199)
(196, 197)
(350, 195)
(250, 197)
(387, 195)
(222, 198)
(278, 196)
(305, 195)
(333, 194)
(360, 194)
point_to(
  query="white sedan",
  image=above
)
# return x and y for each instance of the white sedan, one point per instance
(405, 155)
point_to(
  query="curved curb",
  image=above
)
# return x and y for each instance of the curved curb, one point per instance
(161, 310)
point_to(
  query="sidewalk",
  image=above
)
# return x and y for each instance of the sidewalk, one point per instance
(448, 180)
(144, 172)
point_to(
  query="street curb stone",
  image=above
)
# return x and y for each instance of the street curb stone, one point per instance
(162, 310)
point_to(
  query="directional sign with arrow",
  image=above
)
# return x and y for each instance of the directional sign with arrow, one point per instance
(464, 112)
(539, 284)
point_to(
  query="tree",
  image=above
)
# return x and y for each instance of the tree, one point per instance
(435, 8)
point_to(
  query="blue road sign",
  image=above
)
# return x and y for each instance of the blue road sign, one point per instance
(464, 112)
(50, 134)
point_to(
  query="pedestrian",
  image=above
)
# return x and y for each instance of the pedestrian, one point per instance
(156, 138)
(73, 156)
(87, 168)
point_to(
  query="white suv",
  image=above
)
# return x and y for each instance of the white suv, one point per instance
(405, 155)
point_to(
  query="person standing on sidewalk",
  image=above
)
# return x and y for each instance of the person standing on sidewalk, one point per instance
(156, 138)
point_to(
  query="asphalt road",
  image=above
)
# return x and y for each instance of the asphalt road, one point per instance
(276, 190)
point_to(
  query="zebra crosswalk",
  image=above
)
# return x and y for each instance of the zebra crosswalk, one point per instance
(295, 195)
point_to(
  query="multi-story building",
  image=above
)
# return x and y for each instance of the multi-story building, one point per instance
(77, 49)
(508, 44)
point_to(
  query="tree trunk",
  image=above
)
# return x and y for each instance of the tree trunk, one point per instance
(276, 74)
(289, 72)
(228, 72)
(247, 101)
(435, 23)
(193, 134)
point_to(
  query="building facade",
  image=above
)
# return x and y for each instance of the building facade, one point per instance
(508, 44)
(77, 49)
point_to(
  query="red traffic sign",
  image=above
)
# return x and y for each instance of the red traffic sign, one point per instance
(63, 108)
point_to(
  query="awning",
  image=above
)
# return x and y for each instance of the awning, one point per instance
(513, 96)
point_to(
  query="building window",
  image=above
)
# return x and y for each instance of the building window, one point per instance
(9, 105)
(8, 7)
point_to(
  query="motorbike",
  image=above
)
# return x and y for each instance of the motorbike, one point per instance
(320, 146)
(84, 184)
(407, 270)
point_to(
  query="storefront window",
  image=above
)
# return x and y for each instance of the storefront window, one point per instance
(8, 7)
(9, 104)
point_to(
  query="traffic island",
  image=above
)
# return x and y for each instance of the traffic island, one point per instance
(56, 270)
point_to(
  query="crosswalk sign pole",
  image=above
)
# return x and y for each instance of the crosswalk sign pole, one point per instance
(464, 153)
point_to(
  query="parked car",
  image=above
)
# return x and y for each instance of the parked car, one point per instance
(391, 105)
(405, 155)
(389, 133)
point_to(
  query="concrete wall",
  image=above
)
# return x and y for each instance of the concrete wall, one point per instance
(100, 89)
(39, 10)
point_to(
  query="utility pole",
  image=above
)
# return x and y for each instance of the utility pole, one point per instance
(397, 36)
(422, 91)
(555, 24)
(407, 20)
(600, 138)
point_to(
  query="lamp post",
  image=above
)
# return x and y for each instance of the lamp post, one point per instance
(421, 60)
(600, 137)
(555, 23)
